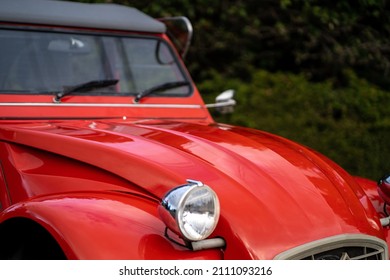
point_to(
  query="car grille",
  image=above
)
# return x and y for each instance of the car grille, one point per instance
(341, 247)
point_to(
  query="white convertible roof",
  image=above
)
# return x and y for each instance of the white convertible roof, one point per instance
(62, 13)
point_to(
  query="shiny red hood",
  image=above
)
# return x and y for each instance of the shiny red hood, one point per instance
(274, 194)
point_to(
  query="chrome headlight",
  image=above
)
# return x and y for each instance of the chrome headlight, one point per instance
(191, 210)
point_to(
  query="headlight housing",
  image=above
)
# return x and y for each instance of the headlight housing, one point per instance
(191, 210)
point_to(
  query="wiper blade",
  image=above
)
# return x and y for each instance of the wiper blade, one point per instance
(160, 87)
(84, 87)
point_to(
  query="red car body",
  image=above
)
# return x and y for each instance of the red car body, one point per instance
(82, 177)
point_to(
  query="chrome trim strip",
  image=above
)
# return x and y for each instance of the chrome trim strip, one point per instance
(334, 242)
(208, 244)
(42, 104)
(369, 255)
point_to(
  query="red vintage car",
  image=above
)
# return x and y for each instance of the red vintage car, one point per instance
(107, 151)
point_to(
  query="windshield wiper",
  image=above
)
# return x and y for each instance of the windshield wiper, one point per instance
(160, 87)
(84, 87)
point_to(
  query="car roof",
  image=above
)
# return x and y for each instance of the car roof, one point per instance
(74, 14)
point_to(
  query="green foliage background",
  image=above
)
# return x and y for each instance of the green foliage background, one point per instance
(314, 71)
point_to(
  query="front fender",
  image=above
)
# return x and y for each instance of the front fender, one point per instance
(371, 189)
(104, 226)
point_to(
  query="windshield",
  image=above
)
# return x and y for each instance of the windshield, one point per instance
(47, 62)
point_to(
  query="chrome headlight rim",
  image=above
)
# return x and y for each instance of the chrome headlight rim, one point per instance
(174, 213)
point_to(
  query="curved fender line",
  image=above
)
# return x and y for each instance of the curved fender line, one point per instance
(105, 226)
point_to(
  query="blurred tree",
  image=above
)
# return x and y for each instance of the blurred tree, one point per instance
(315, 37)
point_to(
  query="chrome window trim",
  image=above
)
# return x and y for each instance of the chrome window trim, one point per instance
(334, 242)
(43, 104)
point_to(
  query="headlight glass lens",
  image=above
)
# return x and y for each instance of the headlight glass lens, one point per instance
(194, 209)
(199, 214)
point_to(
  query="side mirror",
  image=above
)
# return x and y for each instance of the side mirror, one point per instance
(179, 30)
(224, 102)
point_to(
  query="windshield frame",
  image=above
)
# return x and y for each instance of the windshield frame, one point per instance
(159, 38)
